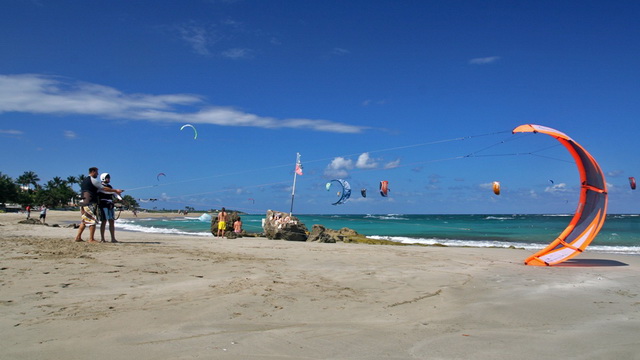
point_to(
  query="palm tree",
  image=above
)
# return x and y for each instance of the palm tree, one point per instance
(58, 182)
(27, 179)
(72, 180)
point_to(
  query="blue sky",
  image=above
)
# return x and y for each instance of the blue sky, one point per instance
(366, 91)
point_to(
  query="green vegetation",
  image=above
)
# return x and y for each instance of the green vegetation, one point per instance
(26, 190)
(55, 193)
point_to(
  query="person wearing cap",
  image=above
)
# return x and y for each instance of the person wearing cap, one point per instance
(106, 208)
(89, 189)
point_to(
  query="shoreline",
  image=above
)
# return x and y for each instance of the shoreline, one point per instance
(165, 296)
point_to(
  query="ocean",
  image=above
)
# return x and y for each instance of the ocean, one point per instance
(620, 233)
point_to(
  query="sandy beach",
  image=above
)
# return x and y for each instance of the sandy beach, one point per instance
(181, 297)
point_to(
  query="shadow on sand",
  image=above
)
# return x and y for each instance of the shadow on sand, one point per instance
(590, 263)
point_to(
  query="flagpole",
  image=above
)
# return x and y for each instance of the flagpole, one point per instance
(293, 190)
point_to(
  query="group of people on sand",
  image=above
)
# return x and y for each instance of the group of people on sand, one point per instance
(43, 213)
(222, 223)
(97, 205)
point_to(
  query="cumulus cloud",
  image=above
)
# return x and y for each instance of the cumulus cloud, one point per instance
(339, 167)
(484, 60)
(557, 188)
(40, 94)
(366, 162)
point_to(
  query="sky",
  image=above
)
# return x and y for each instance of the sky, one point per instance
(422, 94)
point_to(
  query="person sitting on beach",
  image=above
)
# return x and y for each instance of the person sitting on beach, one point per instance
(107, 209)
(222, 222)
(89, 189)
(237, 226)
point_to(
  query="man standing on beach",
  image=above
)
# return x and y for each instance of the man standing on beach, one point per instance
(107, 212)
(222, 222)
(43, 214)
(89, 188)
(28, 211)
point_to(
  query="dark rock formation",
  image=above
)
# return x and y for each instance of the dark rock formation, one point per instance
(30, 222)
(319, 233)
(279, 225)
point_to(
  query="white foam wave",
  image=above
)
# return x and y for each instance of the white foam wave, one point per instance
(129, 226)
(628, 250)
(385, 217)
(458, 243)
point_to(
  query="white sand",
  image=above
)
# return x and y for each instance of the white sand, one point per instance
(180, 297)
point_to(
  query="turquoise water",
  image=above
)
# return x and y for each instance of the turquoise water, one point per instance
(620, 233)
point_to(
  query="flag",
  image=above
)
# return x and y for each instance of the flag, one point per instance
(298, 165)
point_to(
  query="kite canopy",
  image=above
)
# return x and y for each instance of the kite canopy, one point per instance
(363, 192)
(592, 205)
(195, 132)
(160, 174)
(384, 188)
(632, 182)
(344, 194)
(496, 187)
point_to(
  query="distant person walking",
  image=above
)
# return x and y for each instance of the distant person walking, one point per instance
(222, 222)
(28, 211)
(43, 214)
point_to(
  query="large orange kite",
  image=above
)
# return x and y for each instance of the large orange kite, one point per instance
(592, 206)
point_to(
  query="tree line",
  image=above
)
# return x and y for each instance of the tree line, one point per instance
(55, 193)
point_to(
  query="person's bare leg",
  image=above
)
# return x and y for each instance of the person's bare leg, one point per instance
(112, 230)
(79, 234)
(103, 225)
(92, 232)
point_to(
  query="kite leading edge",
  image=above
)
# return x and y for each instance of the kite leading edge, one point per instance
(592, 205)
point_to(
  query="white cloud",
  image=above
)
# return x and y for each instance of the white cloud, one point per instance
(40, 94)
(340, 51)
(392, 164)
(339, 167)
(557, 188)
(365, 162)
(70, 134)
(197, 37)
(484, 60)
(486, 186)
(11, 132)
(238, 53)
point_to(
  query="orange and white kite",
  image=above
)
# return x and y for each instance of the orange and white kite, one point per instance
(592, 205)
